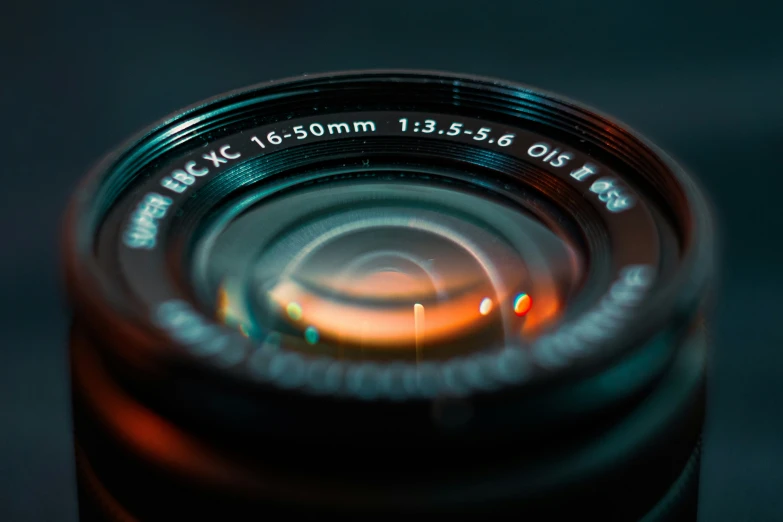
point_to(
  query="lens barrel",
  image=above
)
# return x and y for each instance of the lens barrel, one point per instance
(388, 293)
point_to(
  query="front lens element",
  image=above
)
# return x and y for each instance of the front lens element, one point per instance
(389, 268)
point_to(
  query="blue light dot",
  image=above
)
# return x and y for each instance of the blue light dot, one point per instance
(311, 335)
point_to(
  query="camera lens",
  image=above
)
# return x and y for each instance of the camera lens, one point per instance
(388, 293)
(390, 269)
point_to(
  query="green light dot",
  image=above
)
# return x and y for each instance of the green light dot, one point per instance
(294, 311)
(311, 335)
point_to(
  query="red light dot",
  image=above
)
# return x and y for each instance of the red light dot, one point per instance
(522, 304)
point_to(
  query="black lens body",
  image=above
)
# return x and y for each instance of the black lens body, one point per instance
(384, 294)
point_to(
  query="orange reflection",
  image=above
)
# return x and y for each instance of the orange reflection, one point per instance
(391, 285)
(402, 326)
(224, 311)
(546, 310)
(385, 327)
(150, 436)
(227, 314)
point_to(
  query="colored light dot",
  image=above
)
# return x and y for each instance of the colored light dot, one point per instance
(486, 306)
(311, 335)
(522, 304)
(294, 311)
(243, 330)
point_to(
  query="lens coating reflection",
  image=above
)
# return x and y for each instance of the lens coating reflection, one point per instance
(379, 270)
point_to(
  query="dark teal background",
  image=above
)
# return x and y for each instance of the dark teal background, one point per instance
(704, 82)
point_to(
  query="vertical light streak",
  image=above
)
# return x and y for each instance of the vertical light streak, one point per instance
(418, 329)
